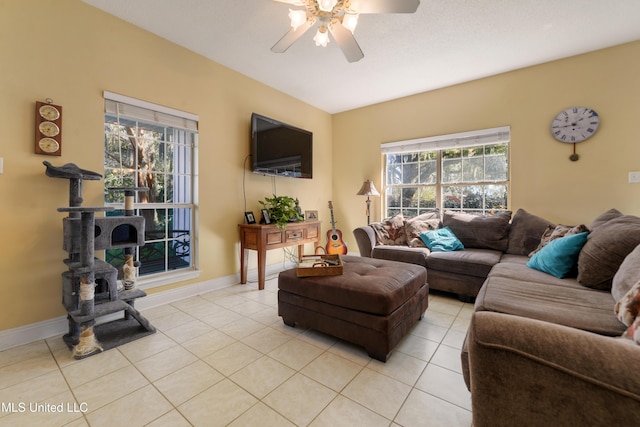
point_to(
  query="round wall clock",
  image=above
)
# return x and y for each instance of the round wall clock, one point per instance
(49, 112)
(48, 145)
(573, 125)
(49, 128)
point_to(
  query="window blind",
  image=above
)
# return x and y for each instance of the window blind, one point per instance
(454, 140)
(152, 113)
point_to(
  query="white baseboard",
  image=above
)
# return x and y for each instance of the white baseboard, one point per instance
(58, 326)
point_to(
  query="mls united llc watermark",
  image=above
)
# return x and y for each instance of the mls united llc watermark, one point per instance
(33, 407)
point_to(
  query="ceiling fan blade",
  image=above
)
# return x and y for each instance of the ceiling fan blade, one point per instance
(290, 38)
(347, 42)
(386, 6)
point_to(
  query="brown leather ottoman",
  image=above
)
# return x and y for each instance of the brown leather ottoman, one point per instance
(373, 304)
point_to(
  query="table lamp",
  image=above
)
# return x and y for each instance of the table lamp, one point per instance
(368, 189)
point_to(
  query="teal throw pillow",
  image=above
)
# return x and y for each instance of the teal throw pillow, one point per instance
(441, 240)
(560, 256)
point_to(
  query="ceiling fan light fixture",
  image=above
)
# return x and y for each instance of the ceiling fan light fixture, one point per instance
(327, 5)
(298, 17)
(322, 37)
(353, 6)
(350, 21)
(340, 18)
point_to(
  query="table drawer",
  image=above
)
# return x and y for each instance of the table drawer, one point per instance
(312, 232)
(274, 238)
(293, 235)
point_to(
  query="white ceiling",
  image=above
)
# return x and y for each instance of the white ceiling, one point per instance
(444, 43)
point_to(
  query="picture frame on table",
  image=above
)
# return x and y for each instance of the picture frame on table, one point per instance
(310, 215)
(249, 218)
(266, 218)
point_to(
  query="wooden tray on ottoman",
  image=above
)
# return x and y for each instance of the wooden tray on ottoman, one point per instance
(320, 265)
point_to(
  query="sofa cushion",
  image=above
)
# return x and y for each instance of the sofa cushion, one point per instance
(390, 231)
(556, 232)
(605, 217)
(559, 258)
(441, 240)
(470, 262)
(606, 248)
(525, 232)
(628, 307)
(416, 225)
(483, 232)
(627, 275)
(509, 270)
(519, 259)
(513, 288)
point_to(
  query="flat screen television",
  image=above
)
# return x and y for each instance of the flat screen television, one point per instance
(279, 149)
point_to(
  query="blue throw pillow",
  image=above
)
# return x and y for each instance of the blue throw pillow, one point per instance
(560, 256)
(441, 240)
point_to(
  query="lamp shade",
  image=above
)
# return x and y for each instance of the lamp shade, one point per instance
(368, 189)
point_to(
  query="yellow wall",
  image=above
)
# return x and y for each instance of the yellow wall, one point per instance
(71, 52)
(543, 179)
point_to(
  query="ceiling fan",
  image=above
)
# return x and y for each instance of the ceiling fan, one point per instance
(338, 17)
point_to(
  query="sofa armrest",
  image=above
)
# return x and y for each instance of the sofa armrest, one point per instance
(400, 253)
(366, 239)
(530, 372)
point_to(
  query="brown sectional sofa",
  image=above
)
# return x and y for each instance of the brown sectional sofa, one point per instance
(460, 272)
(540, 350)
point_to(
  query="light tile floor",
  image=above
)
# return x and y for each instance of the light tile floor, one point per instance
(225, 358)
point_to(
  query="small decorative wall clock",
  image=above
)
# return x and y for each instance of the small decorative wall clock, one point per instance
(573, 125)
(48, 128)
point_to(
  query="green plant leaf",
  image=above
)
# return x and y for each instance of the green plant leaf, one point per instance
(282, 209)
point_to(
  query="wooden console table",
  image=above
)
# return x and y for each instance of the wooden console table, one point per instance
(261, 238)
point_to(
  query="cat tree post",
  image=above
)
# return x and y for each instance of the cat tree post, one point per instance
(129, 267)
(86, 343)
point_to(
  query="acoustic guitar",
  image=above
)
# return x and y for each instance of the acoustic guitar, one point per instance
(335, 244)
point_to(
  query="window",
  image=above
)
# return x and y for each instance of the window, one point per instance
(465, 172)
(154, 147)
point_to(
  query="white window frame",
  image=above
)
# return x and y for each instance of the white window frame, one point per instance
(136, 109)
(439, 144)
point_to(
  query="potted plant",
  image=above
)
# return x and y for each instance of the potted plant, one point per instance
(282, 209)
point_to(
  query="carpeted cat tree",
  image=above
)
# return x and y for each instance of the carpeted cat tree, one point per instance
(90, 288)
